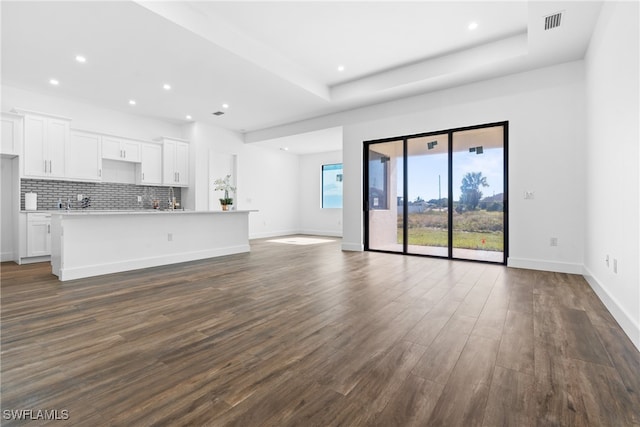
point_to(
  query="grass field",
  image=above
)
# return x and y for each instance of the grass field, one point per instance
(472, 230)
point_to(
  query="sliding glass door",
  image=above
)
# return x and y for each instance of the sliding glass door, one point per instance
(385, 171)
(439, 194)
(478, 211)
(428, 195)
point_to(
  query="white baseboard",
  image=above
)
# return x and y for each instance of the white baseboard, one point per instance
(330, 233)
(267, 234)
(357, 247)
(631, 328)
(34, 259)
(536, 264)
(156, 261)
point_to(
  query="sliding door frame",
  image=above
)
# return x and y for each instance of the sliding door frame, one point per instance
(405, 190)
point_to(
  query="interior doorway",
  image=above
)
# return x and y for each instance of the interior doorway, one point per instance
(441, 194)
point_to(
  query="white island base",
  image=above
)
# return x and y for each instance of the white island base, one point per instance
(86, 244)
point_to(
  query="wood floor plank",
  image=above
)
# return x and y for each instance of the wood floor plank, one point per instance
(432, 323)
(517, 345)
(440, 357)
(313, 336)
(509, 402)
(570, 330)
(463, 400)
(411, 405)
(381, 382)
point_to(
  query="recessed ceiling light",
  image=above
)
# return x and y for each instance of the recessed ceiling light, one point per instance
(225, 105)
(188, 117)
(166, 86)
(284, 148)
(81, 59)
(340, 68)
(472, 26)
(54, 82)
(132, 102)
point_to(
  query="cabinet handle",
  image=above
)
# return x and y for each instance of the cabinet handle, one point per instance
(125, 153)
(48, 228)
(50, 167)
(45, 166)
(143, 176)
(100, 172)
(178, 177)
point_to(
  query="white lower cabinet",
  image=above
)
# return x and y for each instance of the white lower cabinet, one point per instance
(38, 234)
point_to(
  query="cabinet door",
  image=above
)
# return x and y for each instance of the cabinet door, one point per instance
(131, 151)
(168, 163)
(57, 137)
(111, 148)
(36, 161)
(151, 158)
(83, 159)
(182, 164)
(11, 135)
(39, 238)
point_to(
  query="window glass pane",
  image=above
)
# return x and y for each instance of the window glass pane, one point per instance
(378, 179)
(385, 168)
(332, 186)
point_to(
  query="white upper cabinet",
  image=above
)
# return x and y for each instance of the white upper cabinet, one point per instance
(126, 150)
(175, 167)
(182, 163)
(11, 141)
(45, 141)
(151, 164)
(84, 160)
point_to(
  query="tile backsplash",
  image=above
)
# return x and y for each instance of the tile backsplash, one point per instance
(104, 195)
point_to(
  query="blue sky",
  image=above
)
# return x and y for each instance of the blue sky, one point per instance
(424, 171)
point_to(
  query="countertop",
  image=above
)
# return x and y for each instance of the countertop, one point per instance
(134, 212)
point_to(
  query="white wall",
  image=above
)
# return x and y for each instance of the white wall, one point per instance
(267, 179)
(89, 116)
(612, 182)
(545, 110)
(314, 219)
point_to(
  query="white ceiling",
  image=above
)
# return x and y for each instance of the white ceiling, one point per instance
(276, 62)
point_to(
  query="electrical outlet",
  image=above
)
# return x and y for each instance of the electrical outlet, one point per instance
(553, 241)
(170, 237)
(615, 266)
(79, 197)
(139, 199)
(606, 261)
(529, 195)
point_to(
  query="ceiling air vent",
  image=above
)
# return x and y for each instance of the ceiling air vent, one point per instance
(552, 21)
(218, 113)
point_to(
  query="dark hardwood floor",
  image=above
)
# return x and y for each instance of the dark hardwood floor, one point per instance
(312, 336)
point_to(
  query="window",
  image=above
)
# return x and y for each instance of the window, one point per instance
(378, 180)
(332, 186)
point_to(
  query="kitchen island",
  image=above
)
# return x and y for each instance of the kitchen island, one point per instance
(91, 243)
